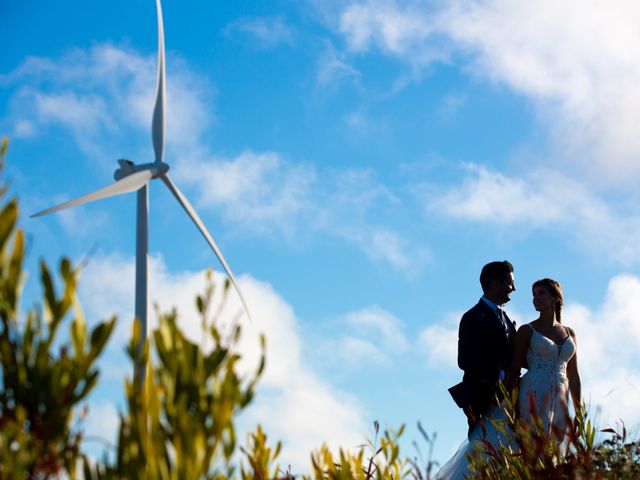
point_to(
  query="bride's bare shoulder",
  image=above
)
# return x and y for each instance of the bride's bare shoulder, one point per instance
(526, 327)
(524, 331)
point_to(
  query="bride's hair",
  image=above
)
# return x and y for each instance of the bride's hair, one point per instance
(554, 288)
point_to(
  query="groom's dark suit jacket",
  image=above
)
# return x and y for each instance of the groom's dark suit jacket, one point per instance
(484, 349)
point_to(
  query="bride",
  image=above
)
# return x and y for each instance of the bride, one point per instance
(549, 350)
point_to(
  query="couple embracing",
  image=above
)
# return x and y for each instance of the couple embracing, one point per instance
(490, 351)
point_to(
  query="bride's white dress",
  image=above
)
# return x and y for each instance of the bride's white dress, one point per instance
(545, 381)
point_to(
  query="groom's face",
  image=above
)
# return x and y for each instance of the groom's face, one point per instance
(504, 289)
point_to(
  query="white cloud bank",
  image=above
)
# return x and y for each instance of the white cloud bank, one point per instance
(266, 193)
(439, 342)
(538, 200)
(577, 62)
(371, 336)
(293, 403)
(401, 29)
(608, 357)
(103, 97)
(382, 324)
(102, 94)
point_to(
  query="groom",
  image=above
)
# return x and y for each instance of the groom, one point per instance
(485, 341)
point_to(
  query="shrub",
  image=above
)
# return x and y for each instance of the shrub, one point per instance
(180, 421)
(42, 385)
(539, 455)
(384, 460)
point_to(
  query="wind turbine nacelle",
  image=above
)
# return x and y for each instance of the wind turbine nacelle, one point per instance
(127, 167)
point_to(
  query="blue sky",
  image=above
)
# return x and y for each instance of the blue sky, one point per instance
(357, 162)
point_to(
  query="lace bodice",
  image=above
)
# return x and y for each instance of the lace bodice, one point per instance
(549, 358)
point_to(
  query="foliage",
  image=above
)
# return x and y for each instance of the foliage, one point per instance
(616, 456)
(42, 385)
(424, 472)
(261, 458)
(384, 461)
(538, 455)
(180, 421)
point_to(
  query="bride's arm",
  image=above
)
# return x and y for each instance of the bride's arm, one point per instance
(520, 347)
(575, 387)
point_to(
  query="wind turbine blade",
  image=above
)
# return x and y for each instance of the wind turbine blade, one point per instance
(157, 124)
(128, 184)
(205, 233)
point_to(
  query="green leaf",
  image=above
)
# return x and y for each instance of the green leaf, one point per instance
(3, 146)
(78, 336)
(27, 339)
(8, 219)
(99, 337)
(51, 304)
(66, 269)
(90, 382)
(14, 273)
(200, 304)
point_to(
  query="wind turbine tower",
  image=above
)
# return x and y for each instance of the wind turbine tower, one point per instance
(131, 177)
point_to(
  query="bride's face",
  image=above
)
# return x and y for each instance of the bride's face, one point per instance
(542, 299)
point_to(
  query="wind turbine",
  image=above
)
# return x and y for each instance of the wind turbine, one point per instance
(135, 178)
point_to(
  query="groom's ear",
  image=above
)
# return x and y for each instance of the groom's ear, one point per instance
(495, 283)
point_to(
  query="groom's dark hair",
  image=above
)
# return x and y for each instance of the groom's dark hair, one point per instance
(494, 271)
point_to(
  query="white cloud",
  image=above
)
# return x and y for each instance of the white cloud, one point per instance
(382, 325)
(578, 63)
(84, 113)
(607, 357)
(360, 123)
(81, 222)
(266, 193)
(451, 105)
(356, 352)
(381, 244)
(355, 196)
(334, 69)
(265, 32)
(403, 30)
(369, 337)
(394, 248)
(103, 94)
(24, 129)
(540, 199)
(439, 342)
(293, 402)
(100, 427)
(308, 413)
(259, 191)
(106, 287)
(104, 97)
